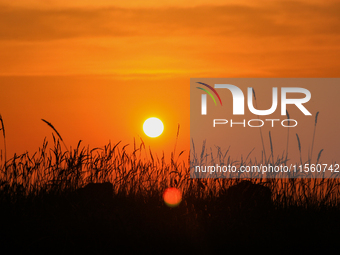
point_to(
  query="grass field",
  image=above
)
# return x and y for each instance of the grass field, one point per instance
(40, 211)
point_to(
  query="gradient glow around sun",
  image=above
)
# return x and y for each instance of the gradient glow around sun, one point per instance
(153, 127)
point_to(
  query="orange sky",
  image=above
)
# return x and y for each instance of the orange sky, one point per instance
(74, 63)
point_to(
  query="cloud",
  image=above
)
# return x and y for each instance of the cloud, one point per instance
(217, 41)
(277, 19)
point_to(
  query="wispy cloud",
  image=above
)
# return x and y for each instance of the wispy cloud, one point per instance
(276, 19)
(280, 38)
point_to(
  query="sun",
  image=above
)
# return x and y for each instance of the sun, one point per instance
(153, 127)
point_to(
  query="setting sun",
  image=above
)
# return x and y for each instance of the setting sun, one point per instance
(153, 127)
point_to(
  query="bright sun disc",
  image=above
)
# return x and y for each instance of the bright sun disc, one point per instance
(153, 127)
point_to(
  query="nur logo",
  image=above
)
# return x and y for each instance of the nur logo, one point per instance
(239, 99)
(204, 97)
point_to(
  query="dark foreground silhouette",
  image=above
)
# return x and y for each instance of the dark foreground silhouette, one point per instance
(247, 196)
(92, 219)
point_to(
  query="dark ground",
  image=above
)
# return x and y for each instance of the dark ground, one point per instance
(65, 224)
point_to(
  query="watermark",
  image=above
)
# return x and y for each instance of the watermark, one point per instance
(254, 116)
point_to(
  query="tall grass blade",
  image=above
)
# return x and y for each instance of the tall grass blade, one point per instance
(271, 147)
(4, 135)
(319, 155)
(287, 135)
(48, 123)
(299, 144)
(316, 121)
(264, 150)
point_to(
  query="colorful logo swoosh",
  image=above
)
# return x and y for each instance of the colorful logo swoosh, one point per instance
(206, 91)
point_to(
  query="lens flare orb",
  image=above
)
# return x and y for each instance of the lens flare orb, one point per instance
(172, 197)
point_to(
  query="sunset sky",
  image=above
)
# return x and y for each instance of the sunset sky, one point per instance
(97, 69)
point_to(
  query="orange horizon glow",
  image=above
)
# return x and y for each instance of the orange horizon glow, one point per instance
(97, 70)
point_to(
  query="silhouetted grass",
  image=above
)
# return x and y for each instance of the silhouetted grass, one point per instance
(39, 209)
